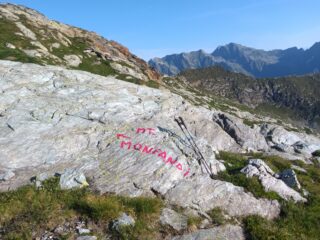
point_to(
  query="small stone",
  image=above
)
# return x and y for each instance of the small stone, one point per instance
(6, 176)
(59, 230)
(55, 45)
(205, 223)
(87, 238)
(83, 231)
(123, 220)
(9, 45)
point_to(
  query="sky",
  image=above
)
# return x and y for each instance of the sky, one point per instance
(155, 28)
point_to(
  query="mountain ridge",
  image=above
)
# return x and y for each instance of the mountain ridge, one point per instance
(250, 61)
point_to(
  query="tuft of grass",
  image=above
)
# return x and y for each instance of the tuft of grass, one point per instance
(153, 84)
(194, 221)
(217, 216)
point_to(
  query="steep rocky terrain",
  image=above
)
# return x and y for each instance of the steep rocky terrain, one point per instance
(85, 156)
(28, 36)
(246, 60)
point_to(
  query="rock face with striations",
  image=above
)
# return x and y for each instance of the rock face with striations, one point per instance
(121, 136)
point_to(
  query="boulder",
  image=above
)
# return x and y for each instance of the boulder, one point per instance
(72, 178)
(173, 219)
(260, 169)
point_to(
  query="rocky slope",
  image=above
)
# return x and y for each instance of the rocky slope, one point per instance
(294, 98)
(242, 59)
(28, 36)
(125, 140)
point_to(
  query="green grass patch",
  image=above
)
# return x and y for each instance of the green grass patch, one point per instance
(217, 216)
(29, 210)
(152, 84)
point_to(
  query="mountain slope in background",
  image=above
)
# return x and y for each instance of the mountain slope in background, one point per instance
(297, 96)
(28, 36)
(250, 61)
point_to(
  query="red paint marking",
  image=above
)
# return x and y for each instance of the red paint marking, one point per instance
(151, 131)
(147, 150)
(140, 130)
(119, 135)
(156, 151)
(163, 155)
(170, 160)
(179, 166)
(186, 173)
(123, 143)
(137, 147)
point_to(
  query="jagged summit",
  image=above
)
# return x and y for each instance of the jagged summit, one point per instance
(250, 61)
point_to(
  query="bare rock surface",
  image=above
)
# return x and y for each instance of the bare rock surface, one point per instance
(226, 232)
(121, 136)
(172, 218)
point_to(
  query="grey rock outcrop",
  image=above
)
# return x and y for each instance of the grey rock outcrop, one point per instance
(248, 138)
(118, 135)
(175, 220)
(291, 145)
(260, 169)
(205, 194)
(226, 232)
